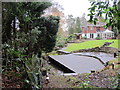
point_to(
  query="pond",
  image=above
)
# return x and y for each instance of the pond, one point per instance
(105, 57)
(83, 62)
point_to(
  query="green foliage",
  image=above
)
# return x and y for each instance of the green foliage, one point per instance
(73, 24)
(84, 37)
(115, 83)
(53, 53)
(25, 12)
(98, 38)
(71, 37)
(78, 24)
(85, 84)
(111, 12)
(49, 29)
(60, 42)
(36, 35)
(33, 66)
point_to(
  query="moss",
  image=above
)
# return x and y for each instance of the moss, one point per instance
(53, 53)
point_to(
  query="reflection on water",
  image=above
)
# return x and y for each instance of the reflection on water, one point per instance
(101, 55)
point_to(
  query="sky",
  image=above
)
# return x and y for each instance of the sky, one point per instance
(74, 7)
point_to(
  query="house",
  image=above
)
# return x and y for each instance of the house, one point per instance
(78, 35)
(91, 31)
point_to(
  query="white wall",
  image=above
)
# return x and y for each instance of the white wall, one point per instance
(88, 35)
(95, 35)
(83, 35)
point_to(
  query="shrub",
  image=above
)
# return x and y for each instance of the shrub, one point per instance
(61, 41)
(71, 37)
(98, 38)
(84, 37)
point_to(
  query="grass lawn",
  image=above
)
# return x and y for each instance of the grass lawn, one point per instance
(90, 44)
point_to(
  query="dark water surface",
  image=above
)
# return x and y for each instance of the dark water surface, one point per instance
(105, 57)
(81, 62)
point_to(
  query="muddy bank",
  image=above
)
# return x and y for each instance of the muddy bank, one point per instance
(102, 79)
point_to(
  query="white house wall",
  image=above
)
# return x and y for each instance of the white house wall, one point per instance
(88, 35)
(95, 35)
(83, 35)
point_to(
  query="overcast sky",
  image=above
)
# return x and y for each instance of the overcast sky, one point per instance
(74, 7)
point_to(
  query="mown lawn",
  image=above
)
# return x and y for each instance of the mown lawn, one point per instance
(91, 44)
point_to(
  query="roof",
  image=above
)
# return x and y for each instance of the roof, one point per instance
(77, 33)
(100, 24)
(108, 31)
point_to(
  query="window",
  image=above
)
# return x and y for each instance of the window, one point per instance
(112, 34)
(105, 35)
(98, 35)
(91, 35)
(98, 29)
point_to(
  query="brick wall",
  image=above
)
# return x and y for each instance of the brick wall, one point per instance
(92, 29)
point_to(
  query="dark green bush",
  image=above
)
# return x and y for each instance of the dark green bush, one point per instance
(98, 38)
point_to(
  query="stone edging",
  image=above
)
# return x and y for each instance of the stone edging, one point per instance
(99, 49)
